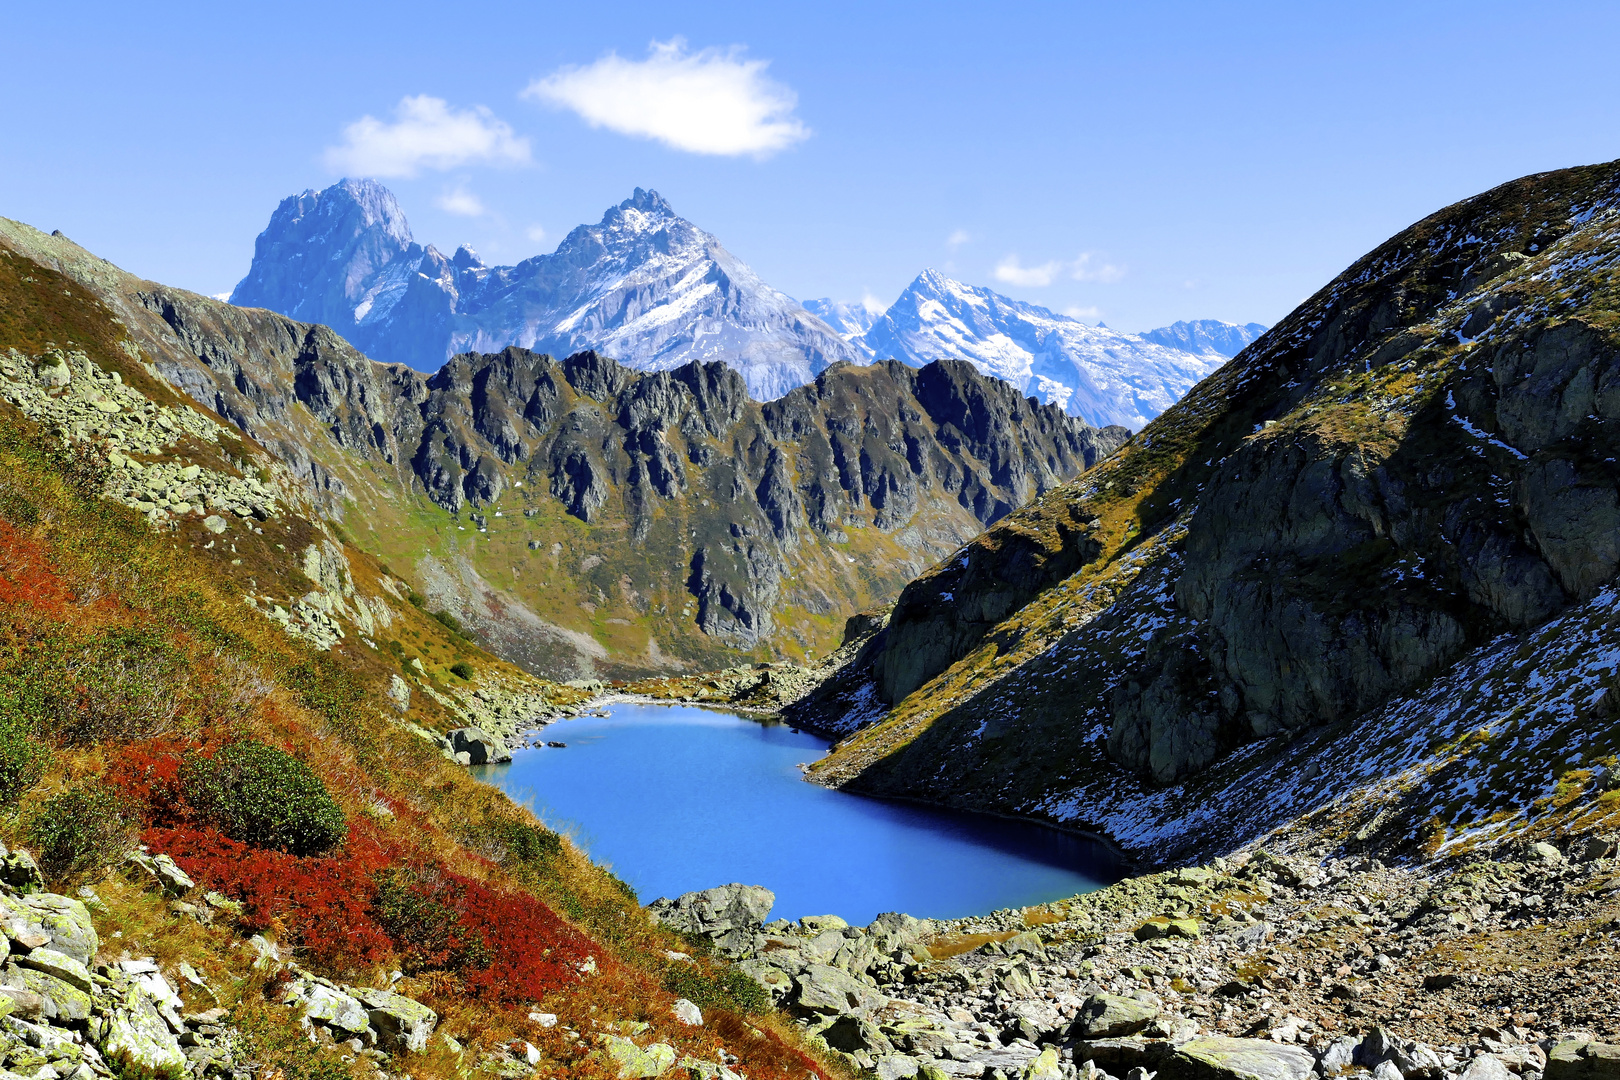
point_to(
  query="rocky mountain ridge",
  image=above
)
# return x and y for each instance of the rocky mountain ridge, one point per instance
(654, 291)
(644, 285)
(1371, 560)
(585, 518)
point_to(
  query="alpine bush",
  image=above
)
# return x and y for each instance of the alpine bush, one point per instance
(81, 832)
(22, 757)
(262, 796)
(462, 669)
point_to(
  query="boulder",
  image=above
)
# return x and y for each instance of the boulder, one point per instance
(62, 921)
(163, 871)
(777, 983)
(1543, 852)
(1487, 1067)
(896, 1067)
(19, 872)
(832, 992)
(1109, 1016)
(633, 1061)
(336, 1009)
(1046, 1066)
(136, 1038)
(401, 1023)
(1580, 1060)
(853, 1033)
(1218, 1058)
(59, 966)
(480, 746)
(59, 1002)
(715, 913)
(687, 1013)
(1027, 943)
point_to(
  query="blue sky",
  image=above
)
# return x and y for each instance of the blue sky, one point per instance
(1131, 163)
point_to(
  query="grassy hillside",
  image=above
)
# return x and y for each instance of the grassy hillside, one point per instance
(216, 672)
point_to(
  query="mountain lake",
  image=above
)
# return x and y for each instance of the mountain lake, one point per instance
(677, 798)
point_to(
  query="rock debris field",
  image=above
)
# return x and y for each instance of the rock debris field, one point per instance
(1254, 967)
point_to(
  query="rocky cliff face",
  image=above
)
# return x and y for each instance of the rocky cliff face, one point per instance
(587, 518)
(1417, 462)
(644, 285)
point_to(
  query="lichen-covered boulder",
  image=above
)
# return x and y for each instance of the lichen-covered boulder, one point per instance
(401, 1023)
(336, 1009)
(1577, 1060)
(135, 1037)
(480, 746)
(831, 992)
(1218, 1058)
(63, 923)
(1109, 1016)
(635, 1062)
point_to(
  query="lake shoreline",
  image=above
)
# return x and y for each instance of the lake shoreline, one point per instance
(692, 795)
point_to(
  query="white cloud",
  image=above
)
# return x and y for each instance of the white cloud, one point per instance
(536, 233)
(426, 133)
(708, 102)
(461, 202)
(957, 239)
(1010, 271)
(872, 304)
(1083, 269)
(1075, 311)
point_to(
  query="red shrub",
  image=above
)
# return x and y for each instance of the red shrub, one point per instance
(148, 772)
(533, 950)
(26, 574)
(323, 903)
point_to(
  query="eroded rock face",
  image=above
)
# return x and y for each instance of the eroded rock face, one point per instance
(1416, 461)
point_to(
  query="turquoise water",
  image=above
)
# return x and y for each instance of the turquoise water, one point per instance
(676, 799)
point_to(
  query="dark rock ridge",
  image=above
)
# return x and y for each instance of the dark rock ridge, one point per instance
(644, 285)
(682, 482)
(1417, 460)
(857, 447)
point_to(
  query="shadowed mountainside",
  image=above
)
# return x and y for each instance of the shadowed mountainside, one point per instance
(1320, 556)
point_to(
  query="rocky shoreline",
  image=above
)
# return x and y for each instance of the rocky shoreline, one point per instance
(1254, 967)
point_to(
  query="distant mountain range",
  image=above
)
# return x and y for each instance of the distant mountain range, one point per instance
(653, 290)
(644, 285)
(1099, 374)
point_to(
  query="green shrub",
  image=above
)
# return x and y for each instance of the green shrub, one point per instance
(22, 757)
(721, 988)
(265, 797)
(462, 669)
(450, 623)
(527, 843)
(81, 832)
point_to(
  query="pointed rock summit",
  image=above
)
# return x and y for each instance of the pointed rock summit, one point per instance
(644, 285)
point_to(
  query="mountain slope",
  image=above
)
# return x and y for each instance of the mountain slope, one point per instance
(1094, 373)
(212, 672)
(586, 519)
(1349, 541)
(643, 285)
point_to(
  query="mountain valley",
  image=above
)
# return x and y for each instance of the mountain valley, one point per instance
(1328, 648)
